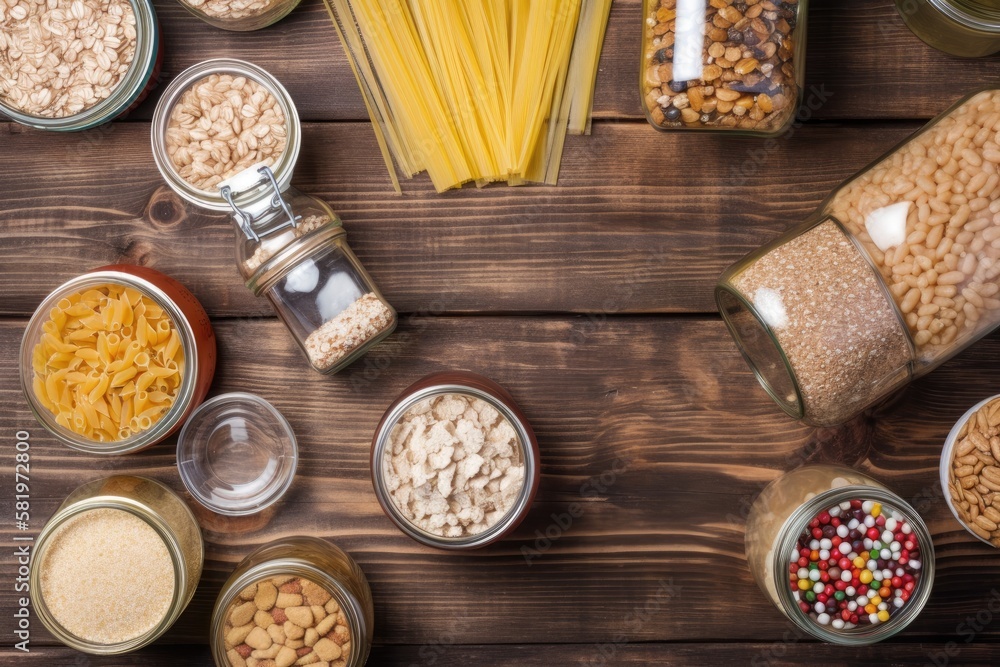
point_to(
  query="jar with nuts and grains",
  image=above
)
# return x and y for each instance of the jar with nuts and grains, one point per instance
(898, 271)
(966, 28)
(733, 65)
(226, 136)
(73, 65)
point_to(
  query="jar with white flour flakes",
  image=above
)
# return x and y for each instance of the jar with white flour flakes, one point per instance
(898, 271)
(226, 136)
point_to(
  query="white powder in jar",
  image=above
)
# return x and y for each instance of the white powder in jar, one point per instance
(454, 466)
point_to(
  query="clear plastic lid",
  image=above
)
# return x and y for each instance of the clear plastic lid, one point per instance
(237, 454)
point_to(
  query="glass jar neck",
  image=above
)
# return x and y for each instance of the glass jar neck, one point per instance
(785, 545)
(971, 13)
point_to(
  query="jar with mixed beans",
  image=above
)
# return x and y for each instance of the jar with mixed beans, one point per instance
(226, 137)
(294, 601)
(76, 64)
(841, 556)
(898, 271)
(735, 65)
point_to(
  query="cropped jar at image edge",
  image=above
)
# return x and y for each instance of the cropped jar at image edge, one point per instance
(970, 470)
(145, 514)
(307, 561)
(726, 67)
(965, 28)
(196, 343)
(290, 247)
(416, 400)
(787, 508)
(895, 273)
(240, 15)
(141, 77)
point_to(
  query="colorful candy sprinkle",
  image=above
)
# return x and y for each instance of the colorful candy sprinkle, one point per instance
(855, 564)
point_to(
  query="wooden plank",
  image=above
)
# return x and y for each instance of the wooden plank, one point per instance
(667, 398)
(592, 655)
(859, 51)
(652, 238)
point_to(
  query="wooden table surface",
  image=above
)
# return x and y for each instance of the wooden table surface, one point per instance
(591, 302)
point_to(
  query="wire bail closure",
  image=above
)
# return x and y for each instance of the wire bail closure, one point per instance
(278, 203)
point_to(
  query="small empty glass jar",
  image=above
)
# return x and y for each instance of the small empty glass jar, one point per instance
(876, 552)
(290, 247)
(478, 460)
(237, 454)
(306, 588)
(723, 66)
(116, 565)
(967, 28)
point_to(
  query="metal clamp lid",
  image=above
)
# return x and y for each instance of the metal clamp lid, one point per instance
(248, 179)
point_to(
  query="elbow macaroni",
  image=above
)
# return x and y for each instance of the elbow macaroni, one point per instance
(109, 363)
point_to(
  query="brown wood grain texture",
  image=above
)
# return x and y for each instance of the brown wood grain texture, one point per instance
(668, 399)
(791, 654)
(639, 222)
(859, 51)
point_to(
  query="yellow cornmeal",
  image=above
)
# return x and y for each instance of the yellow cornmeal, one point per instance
(107, 577)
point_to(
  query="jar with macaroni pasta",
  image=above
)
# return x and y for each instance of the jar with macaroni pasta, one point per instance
(841, 556)
(226, 137)
(116, 565)
(297, 600)
(898, 271)
(115, 360)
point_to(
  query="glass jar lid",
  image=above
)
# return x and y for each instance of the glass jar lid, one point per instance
(237, 454)
(219, 158)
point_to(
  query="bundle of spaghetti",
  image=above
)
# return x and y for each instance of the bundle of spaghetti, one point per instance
(473, 90)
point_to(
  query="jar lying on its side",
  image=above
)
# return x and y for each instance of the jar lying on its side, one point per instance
(240, 15)
(967, 28)
(226, 137)
(54, 81)
(898, 271)
(293, 593)
(116, 565)
(735, 66)
(841, 556)
(115, 360)
(478, 467)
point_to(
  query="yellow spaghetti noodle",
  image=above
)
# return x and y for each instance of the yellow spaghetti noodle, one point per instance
(109, 363)
(474, 90)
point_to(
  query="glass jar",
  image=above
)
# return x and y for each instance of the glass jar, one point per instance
(896, 272)
(809, 499)
(967, 28)
(290, 247)
(196, 345)
(311, 567)
(739, 67)
(460, 519)
(142, 76)
(146, 535)
(240, 15)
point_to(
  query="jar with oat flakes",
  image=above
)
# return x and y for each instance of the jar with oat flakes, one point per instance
(898, 271)
(226, 137)
(76, 64)
(240, 15)
(730, 65)
(297, 600)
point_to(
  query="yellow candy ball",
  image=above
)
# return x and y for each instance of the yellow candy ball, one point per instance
(866, 576)
(883, 616)
(805, 584)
